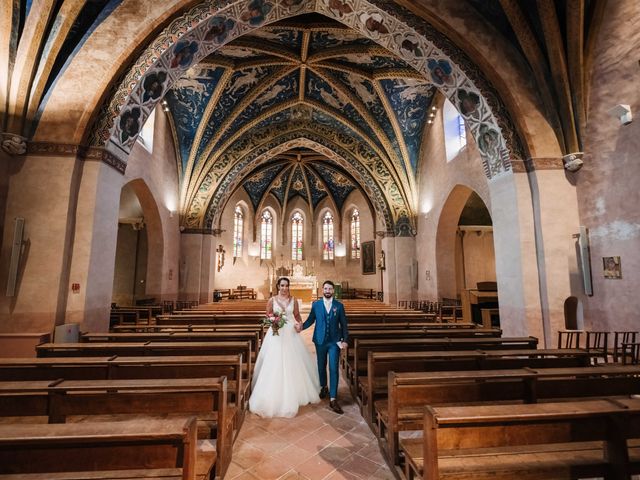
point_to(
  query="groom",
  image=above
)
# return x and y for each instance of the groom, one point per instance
(330, 336)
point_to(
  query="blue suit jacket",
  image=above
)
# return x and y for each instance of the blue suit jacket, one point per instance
(336, 319)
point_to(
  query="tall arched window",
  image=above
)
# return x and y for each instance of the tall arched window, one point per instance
(266, 235)
(238, 228)
(355, 234)
(297, 227)
(455, 134)
(328, 246)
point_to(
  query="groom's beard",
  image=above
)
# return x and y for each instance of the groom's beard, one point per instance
(328, 296)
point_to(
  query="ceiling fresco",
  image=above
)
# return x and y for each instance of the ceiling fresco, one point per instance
(299, 173)
(268, 79)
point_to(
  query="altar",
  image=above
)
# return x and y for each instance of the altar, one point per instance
(302, 286)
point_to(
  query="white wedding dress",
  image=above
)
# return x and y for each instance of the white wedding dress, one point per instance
(285, 375)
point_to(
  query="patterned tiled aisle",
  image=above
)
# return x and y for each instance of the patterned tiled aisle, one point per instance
(317, 444)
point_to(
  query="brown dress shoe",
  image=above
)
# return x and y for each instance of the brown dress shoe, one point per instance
(333, 405)
(324, 391)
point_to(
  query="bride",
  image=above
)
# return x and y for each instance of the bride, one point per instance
(285, 375)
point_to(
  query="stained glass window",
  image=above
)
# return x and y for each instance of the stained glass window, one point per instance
(355, 234)
(238, 225)
(266, 235)
(297, 226)
(328, 246)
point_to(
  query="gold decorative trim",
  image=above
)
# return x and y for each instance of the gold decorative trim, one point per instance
(80, 152)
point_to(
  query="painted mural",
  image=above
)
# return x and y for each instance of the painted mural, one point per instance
(367, 36)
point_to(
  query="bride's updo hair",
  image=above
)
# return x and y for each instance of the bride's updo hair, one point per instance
(281, 279)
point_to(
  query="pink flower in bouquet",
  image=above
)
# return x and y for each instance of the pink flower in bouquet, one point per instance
(276, 321)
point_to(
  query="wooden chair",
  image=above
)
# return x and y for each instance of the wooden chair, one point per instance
(569, 338)
(620, 338)
(631, 353)
(167, 306)
(598, 342)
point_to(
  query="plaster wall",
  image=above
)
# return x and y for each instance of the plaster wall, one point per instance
(159, 199)
(477, 253)
(607, 185)
(42, 190)
(437, 178)
(127, 275)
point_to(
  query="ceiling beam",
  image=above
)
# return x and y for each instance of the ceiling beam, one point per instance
(29, 51)
(558, 62)
(596, 16)
(575, 61)
(537, 62)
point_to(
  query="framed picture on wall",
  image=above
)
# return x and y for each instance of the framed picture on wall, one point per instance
(612, 267)
(368, 257)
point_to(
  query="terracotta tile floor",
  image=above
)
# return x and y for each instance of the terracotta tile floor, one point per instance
(316, 444)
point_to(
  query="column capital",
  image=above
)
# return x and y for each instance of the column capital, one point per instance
(13, 144)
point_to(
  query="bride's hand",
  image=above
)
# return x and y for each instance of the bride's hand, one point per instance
(298, 326)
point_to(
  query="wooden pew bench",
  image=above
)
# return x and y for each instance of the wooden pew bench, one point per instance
(258, 329)
(373, 386)
(109, 450)
(115, 367)
(354, 363)
(248, 336)
(204, 318)
(544, 441)
(116, 400)
(409, 392)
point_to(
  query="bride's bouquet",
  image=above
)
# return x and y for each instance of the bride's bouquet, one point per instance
(276, 321)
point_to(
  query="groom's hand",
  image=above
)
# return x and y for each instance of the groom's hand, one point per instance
(343, 345)
(298, 327)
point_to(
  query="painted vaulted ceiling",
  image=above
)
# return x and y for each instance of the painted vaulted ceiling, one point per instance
(277, 82)
(307, 71)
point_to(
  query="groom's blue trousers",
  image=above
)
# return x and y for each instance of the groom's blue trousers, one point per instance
(333, 351)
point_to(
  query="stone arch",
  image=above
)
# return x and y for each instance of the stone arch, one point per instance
(446, 240)
(206, 27)
(155, 238)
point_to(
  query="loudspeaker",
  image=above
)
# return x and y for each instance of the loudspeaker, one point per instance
(585, 261)
(414, 274)
(16, 250)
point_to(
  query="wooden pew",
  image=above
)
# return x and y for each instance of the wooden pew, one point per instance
(409, 392)
(565, 440)
(147, 367)
(182, 327)
(207, 319)
(150, 349)
(373, 385)
(205, 398)
(355, 360)
(250, 336)
(114, 449)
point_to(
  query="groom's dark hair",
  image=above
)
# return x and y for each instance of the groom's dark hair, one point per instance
(329, 282)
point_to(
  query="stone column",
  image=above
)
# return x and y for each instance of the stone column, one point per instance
(534, 211)
(405, 248)
(197, 265)
(516, 264)
(555, 208)
(389, 285)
